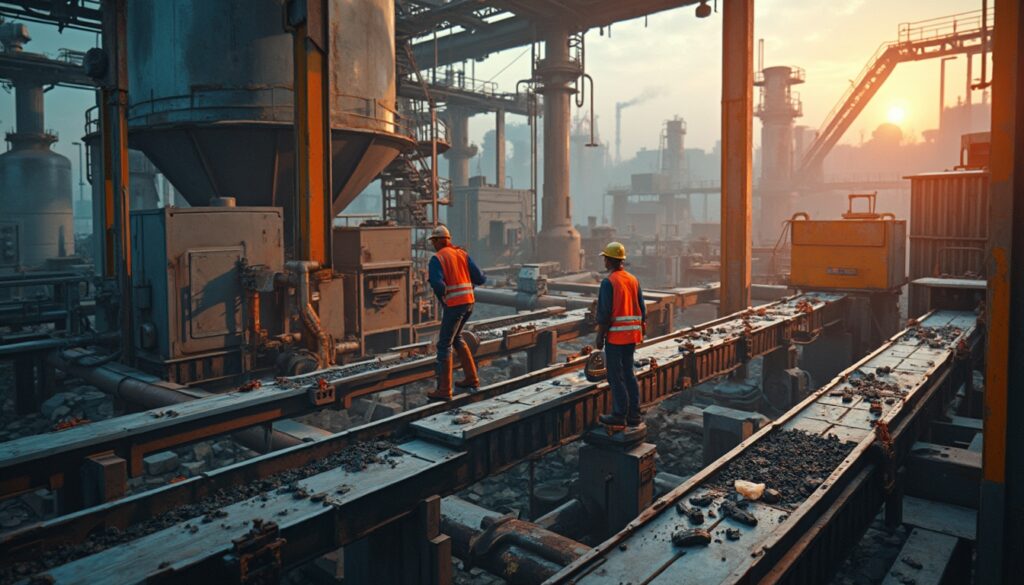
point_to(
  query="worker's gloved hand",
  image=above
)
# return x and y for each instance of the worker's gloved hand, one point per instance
(599, 342)
(643, 328)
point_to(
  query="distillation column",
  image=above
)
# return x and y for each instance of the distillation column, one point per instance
(558, 239)
(778, 109)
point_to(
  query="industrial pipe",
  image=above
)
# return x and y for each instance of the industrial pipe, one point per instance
(528, 302)
(324, 349)
(515, 550)
(149, 392)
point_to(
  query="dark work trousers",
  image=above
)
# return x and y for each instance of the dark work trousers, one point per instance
(452, 321)
(625, 390)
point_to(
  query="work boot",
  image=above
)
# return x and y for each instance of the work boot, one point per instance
(612, 420)
(470, 379)
(634, 419)
(444, 381)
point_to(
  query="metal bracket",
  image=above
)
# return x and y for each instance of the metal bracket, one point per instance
(321, 394)
(256, 557)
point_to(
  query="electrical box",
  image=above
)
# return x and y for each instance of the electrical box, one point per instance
(187, 292)
(617, 483)
(862, 251)
(375, 263)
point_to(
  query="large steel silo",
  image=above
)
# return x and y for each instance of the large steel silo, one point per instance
(211, 100)
(35, 186)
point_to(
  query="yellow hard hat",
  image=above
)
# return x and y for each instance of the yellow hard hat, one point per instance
(615, 250)
(440, 233)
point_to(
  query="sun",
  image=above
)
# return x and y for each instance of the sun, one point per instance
(896, 115)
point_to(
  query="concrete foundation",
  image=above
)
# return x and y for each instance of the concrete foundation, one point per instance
(616, 479)
(724, 428)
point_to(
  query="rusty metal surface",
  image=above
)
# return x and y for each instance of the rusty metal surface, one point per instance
(923, 370)
(32, 461)
(342, 501)
(523, 434)
(948, 228)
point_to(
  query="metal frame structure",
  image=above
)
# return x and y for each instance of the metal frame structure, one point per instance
(803, 543)
(538, 412)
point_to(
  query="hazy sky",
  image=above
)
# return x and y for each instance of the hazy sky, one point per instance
(678, 57)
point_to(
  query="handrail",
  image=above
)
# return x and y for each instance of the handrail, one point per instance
(909, 33)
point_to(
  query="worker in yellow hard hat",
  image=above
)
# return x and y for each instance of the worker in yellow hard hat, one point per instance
(621, 323)
(453, 274)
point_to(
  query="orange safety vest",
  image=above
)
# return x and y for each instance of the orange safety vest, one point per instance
(458, 288)
(626, 326)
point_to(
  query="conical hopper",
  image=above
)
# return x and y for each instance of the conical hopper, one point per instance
(255, 163)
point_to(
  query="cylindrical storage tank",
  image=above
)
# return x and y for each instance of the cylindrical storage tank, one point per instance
(948, 228)
(211, 101)
(35, 188)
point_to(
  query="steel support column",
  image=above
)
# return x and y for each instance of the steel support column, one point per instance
(737, 152)
(311, 223)
(1001, 514)
(117, 249)
(461, 151)
(558, 240)
(499, 148)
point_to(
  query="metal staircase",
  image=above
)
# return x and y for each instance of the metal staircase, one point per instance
(411, 191)
(928, 39)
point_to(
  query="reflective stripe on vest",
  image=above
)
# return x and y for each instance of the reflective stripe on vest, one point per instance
(627, 324)
(458, 288)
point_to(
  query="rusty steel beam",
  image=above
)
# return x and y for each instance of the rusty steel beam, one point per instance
(1001, 514)
(311, 231)
(168, 422)
(737, 152)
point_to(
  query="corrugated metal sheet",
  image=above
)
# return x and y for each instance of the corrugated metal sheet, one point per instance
(948, 228)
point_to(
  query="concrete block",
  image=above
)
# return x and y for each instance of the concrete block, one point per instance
(631, 489)
(58, 400)
(202, 451)
(159, 463)
(944, 474)
(724, 428)
(42, 501)
(193, 468)
(104, 478)
(385, 410)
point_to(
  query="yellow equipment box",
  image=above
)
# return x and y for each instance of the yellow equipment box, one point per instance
(862, 251)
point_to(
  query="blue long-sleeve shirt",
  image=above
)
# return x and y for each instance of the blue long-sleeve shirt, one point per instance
(436, 276)
(605, 298)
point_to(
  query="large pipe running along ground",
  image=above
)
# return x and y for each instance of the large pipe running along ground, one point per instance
(527, 302)
(148, 392)
(515, 550)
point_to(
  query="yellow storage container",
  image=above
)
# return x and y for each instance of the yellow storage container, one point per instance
(862, 251)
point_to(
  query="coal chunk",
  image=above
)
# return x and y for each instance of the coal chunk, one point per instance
(691, 537)
(782, 460)
(703, 500)
(771, 496)
(732, 533)
(696, 516)
(730, 509)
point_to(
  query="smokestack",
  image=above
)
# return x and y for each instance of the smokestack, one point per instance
(619, 106)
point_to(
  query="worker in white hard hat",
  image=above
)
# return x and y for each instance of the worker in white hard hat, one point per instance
(621, 324)
(453, 274)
